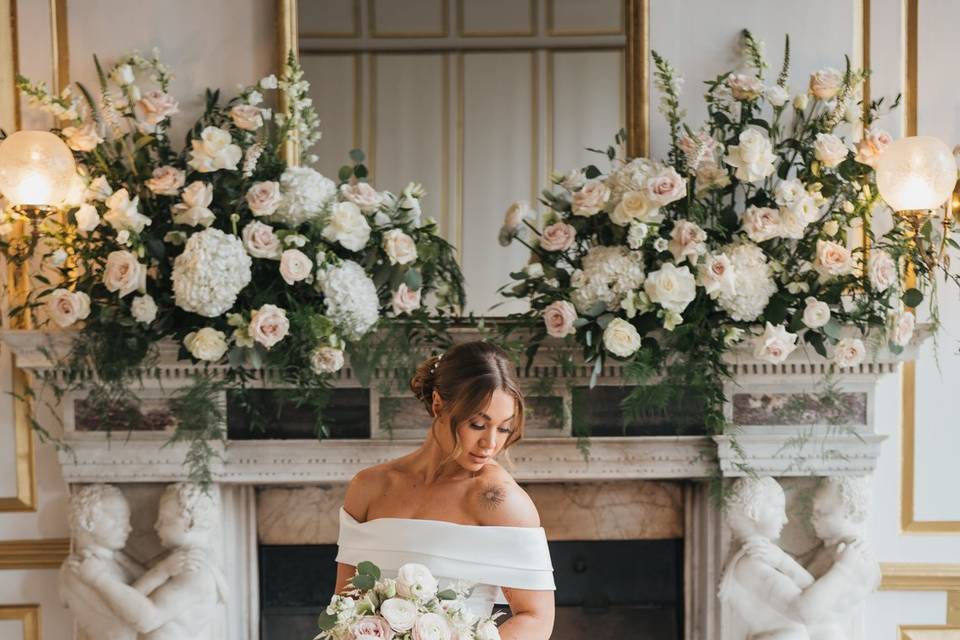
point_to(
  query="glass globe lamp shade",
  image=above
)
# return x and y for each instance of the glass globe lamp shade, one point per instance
(36, 169)
(916, 173)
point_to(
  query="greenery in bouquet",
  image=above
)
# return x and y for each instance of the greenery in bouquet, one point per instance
(248, 262)
(409, 607)
(764, 226)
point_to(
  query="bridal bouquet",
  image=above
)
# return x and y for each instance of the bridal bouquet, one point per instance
(757, 227)
(409, 607)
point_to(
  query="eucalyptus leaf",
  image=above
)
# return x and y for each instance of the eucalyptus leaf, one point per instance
(912, 298)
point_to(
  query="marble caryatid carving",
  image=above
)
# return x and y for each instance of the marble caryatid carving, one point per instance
(772, 595)
(99, 525)
(179, 598)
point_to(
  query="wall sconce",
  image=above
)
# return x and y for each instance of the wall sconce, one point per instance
(916, 175)
(36, 170)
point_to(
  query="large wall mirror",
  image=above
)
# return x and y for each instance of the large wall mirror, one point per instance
(477, 99)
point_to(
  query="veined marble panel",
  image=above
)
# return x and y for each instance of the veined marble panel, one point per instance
(299, 515)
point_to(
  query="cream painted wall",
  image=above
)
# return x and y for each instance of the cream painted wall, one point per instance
(222, 43)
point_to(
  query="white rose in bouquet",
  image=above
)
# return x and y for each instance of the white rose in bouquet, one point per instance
(635, 205)
(295, 266)
(324, 359)
(883, 270)
(825, 84)
(66, 307)
(849, 352)
(775, 345)
(795, 218)
(816, 314)
(85, 138)
(144, 309)
(124, 214)
(559, 316)
(348, 226)
(717, 276)
(829, 149)
(264, 198)
(754, 283)
(776, 95)
(166, 181)
(687, 241)
(399, 613)
(87, 218)
(761, 223)
(214, 151)
(432, 626)
(351, 298)
(621, 338)
(590, 199)
(362, 195)
(405, 299)
(269, 325)
(832, 259)
(753, 158)
(415, 582)
(206, 344)
(902, 327)
(789, 191)
(399, 247)
(123, 273)
(671, 287)
(247, 117)
(260, 241)
(210, 273)
(194, 211)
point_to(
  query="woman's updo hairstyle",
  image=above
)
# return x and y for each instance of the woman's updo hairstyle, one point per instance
(466, 377)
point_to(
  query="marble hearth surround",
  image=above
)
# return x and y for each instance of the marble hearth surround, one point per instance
(771, 404)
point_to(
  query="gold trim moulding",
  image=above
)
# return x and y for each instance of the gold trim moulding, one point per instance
(927, 632)
(46, 553)
(28, 614)
(919, 577)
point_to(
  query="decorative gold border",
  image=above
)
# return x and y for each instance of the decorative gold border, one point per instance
(357, 22)
(899, 576)
(638, 77)
(458, 142)
(372, 23)
(552, 31)
(926, 632)
(532, 31)
(287, 40)
(9, 64)
(34, 554)
(60, 43)
(28, 614)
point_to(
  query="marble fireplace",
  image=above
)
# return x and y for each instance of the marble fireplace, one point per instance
(635, 508)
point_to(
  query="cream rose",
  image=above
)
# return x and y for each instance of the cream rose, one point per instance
(849, 352)
(144, 309)
(832, 259)
(829, 149)
(326, 359)
(348, 226)
(753, 158)
(260, 241)
(399, 247)
(269, 325)
(87, 218)
(415, 582)
(665, 187)
(263, 198)
(559, 316)
(744, 87)
(206, 344)
(902, 328)
(557, 237)
(775, 345)
(85, 138)
(634, 205)
(166, 181)
(247, 117)
(621, 338)
(871, 147)
(590, 199)
(194, 211)
(362, 195)
(883, 270)
(123, 274)
(711, 176)
(405, 299)
(687, 241)
(400, 614)
(66, 307)
(760, 223)
(816, 314)
(432, 626)
(154, 107)
(671, 287)
(826, 83)
(717, 276)
(295, 266)
(214, 151)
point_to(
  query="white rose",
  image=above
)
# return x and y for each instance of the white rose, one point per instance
(590, 199)
(849, 352)
(801, 101)
(214, 151)
(753, 158)
(789, 191)
(415, 582)
(124, 213)
(687, 241)
(206, 344)
(665, 187)
(263, 198)
(260, 241)
(760, 223)
(85, 138)
(166, 181)
(775, 345)
(825, 84)
(635, 205)
(194, 211)
(671, 287)
(399, 247)
(776, 95)
(295, 266)
(816, 314)
(66, 307)
(621, 338)
(559, 316)
(902, 328)
(883, 270)
(123, 274)
(400, 614)
(246, 117)
(832, 259)
(325, 359)
(829, 149)
(348, 226)
(269, 325)
(87, 218)
(405, 299)
(717, 276)
(362, 195)
(144, 309)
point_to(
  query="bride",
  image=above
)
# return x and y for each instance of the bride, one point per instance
(450, 505)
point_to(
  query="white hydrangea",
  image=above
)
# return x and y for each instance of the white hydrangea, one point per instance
(351, 298)
(632, 176)
(608, 274)
(754, 282)
(306, 195)
(210, 273)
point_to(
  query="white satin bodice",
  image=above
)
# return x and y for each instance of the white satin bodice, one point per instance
(489, 556)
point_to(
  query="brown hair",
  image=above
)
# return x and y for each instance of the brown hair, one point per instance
(465, 377)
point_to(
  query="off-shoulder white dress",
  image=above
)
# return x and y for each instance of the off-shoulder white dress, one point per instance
(489, 556)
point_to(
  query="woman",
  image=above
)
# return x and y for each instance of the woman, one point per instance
(449, 505)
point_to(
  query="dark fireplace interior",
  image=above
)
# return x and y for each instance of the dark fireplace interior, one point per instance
(605, 589)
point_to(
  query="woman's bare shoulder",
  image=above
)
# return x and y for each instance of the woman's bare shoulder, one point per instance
(366, 485)
(497, 500)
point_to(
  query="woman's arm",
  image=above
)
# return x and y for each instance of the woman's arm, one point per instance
(344, 573)
(355, 503)
(532, 615)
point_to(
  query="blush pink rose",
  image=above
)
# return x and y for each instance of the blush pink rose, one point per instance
(269, 325)
(687, 241)
(558, 237)
(263, 198)
(666, 187)
(371, 628)
(405, 299)
(166, 181)
(362, 195)
(155, 106)
(591, 199)
(559, 317)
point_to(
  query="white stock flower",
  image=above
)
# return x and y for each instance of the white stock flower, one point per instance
(415, 582)
(717, 276)
(295, 266)
(829, 149)
(351, 298)
(214, 151)
(65, 307)
(306, 195)
(210, 273)
(671, 287)
(399, 613)
(124, 213)
(399, 247)
(123, 75)
(816, 314)
(144, 309)
(637, 234)
(753, 158)
(193, 210)
(206, 344)
(98, 189)
(348, 226)
(621, 338)
(882, 270)
(775, 345)
(123, 273)
(269, 325)
(789, 191)
(754, 283)
(849, 352)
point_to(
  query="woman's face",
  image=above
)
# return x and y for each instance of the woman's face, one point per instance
(482, 436)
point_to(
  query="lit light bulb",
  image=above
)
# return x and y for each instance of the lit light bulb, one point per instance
(916, 173)
(36, 169)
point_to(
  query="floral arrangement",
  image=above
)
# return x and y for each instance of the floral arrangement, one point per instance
(410, 607)
(246, 260)
(762, 226)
